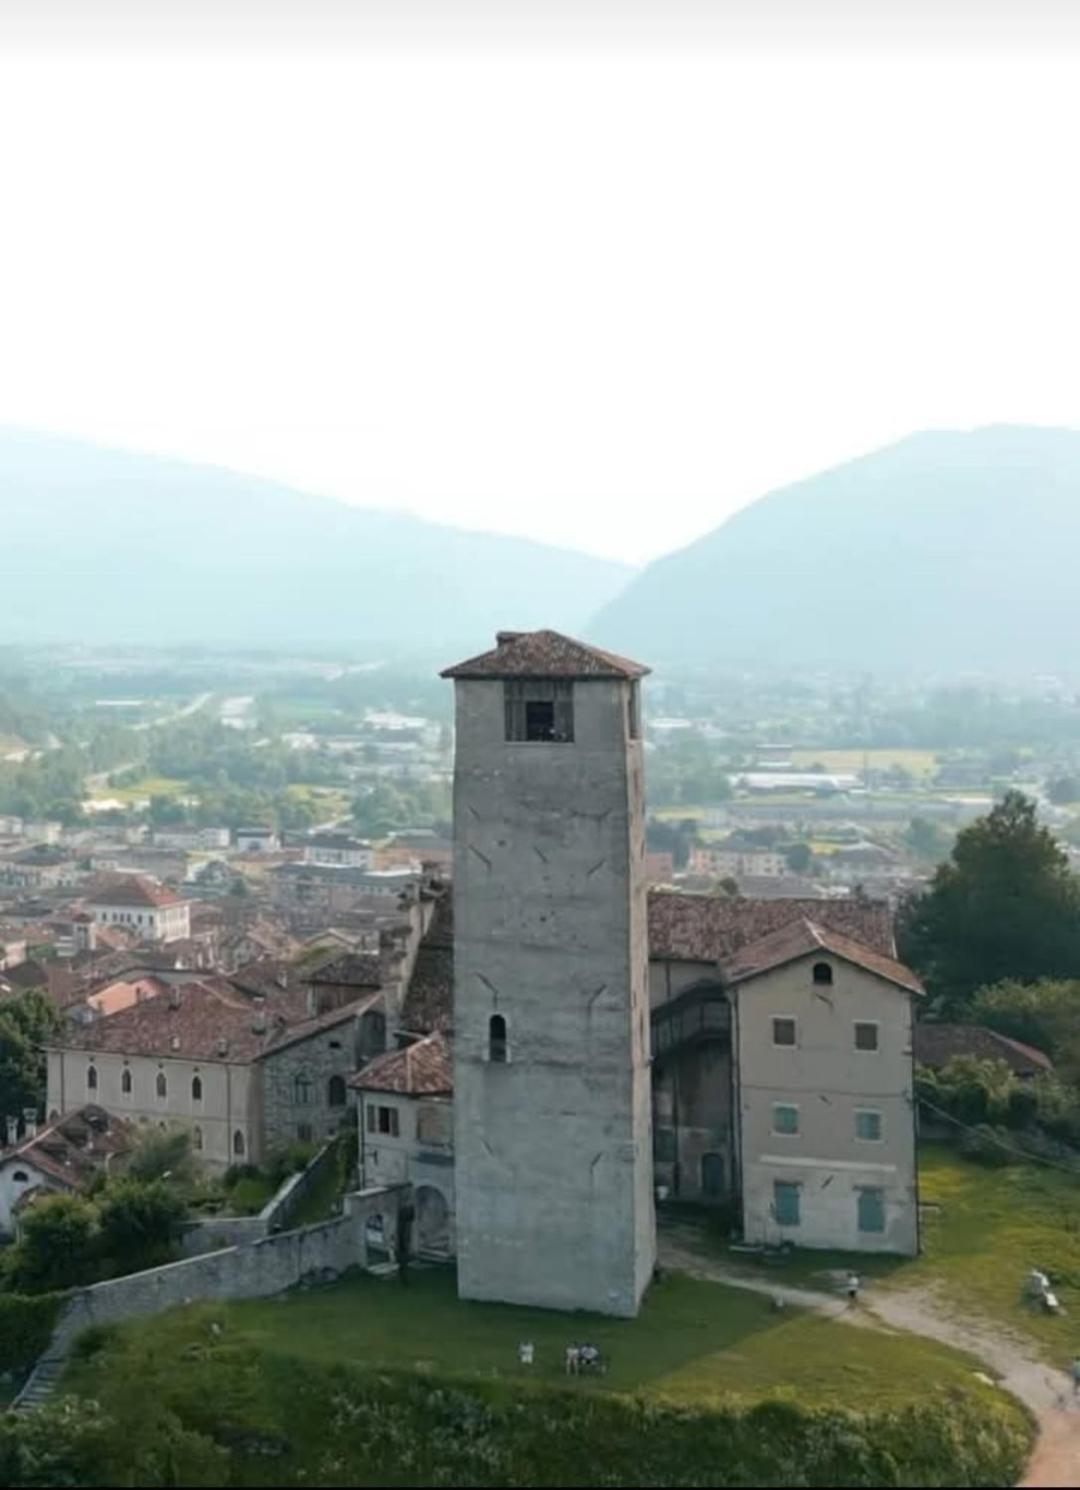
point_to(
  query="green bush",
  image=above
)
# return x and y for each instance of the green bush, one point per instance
(341, 1425)
(25, 1326)
(989, 1146)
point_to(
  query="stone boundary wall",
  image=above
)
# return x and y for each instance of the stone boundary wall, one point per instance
(259, 1269)
(212, 1233)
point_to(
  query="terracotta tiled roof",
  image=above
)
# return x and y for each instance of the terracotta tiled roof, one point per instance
(73, 1148)
(423, 1069)
(937, 1044)
(544, 654)
(209, 1020)
(709, 928)
(805, 938)
(135, 890)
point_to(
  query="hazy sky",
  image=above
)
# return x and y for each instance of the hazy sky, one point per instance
(599, 275)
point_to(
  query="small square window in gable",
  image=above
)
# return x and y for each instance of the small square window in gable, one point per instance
(783, 1030)
(866, 1035)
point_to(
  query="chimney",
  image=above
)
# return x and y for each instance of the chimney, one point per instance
(12, 1131)
(502, 637)
(29, 1122)
(258, 1016)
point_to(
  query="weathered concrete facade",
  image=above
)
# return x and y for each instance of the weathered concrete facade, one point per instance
(854, 1191)
(552, 1111)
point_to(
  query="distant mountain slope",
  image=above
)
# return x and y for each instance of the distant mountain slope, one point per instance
(103, 545)
(949, 550)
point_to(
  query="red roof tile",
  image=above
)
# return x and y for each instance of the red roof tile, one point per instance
(544, 654)
(423, 1069)
(804, 938)
(709, 928)
(937, 1044)
(207, 1019)
(136, 890)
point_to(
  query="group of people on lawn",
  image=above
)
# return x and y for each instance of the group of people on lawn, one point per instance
(577, 1358)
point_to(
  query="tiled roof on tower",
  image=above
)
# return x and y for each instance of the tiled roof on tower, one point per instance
(544, 654)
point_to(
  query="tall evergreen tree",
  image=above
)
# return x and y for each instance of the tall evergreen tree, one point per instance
(1004, 906)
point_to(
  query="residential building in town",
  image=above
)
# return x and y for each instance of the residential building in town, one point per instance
(65, 1157)
(338, 849)
(243, 1074)
(721, 863)
(257, 840)
(406, 1130)
(155, 913)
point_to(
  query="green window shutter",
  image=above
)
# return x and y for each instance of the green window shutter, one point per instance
(872, 1210)
(786, 1203)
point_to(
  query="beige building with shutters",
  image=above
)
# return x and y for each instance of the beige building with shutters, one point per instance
(824, 1109)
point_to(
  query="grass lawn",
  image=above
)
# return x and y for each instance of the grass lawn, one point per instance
(693, 1343)
(918, 762)
(983, 1231)
(146, 786)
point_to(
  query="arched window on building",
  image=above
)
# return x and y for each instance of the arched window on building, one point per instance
(91, 1078)
(822, 972)
(162, 1086)
(302, 1089)
(497, 1049)
(238, 1143)
(196, 1088)
(125, 1082)
(335, 1091)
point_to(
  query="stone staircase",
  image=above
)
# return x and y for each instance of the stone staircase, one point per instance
(40, 1384)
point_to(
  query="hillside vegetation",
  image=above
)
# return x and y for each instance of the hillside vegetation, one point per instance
(368, 1383)
(945, 551)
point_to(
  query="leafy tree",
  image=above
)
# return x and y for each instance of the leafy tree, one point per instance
(1044, 1014)
(1004, 906)
(27, 1023)
(160, 1153)
(926, 840)
(62, 1443)
(56, 1246)
(799, 857)
(138, 1223)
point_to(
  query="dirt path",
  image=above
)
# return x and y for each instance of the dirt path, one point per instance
(1056, 1460)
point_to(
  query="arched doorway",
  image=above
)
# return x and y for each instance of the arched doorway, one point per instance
(432, 1220)
(712, 1175)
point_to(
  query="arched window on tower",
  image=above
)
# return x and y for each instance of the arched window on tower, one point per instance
(196, 1088)
(162, 1086)
(125, 1082)
(822, 972)
(91, 1078)
(497, 1048)
(238, 1144)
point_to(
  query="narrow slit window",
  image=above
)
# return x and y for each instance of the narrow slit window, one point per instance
(497, 1051)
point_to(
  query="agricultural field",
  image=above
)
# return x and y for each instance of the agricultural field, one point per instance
(920, 763)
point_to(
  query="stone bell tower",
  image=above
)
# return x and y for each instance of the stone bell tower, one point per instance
(552, 1120)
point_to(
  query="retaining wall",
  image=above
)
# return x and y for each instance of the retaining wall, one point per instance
(255, 1270)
